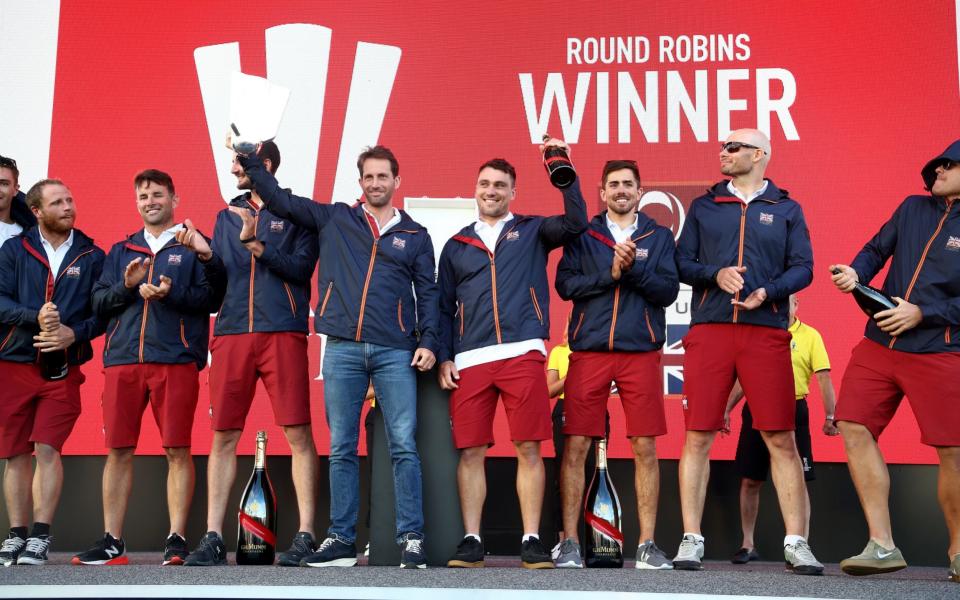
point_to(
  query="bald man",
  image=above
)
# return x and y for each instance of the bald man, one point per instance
(744, 249)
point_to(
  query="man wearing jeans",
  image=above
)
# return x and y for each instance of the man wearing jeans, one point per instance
(378, 308)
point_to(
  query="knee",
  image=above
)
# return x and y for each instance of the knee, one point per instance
(300, 438)
(121, 455)
(225, 442)
(473, 457)
(949, 458)
(854, 434)
(780, 442)
(528, 453)
(698, 443)
(575, 448)
(179, 455)
(644, 449)
(750, 485)
(46, 454)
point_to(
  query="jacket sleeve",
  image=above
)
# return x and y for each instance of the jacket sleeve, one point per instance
(941, 313)
(572, 283)
(799, 267)
(692, 271)
(875, 252)
(656, 278)
(425, 286)
(110, 296)
(557, 230)
(298, 266)
(447, 304)
(202, 294)
(11, 311)
(95, 325)
(303, 212)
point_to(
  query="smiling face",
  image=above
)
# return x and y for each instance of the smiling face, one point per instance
(621, 192)
(494, 193)
(746, 159)
(378, 182)
(8, 188)
(155, 204)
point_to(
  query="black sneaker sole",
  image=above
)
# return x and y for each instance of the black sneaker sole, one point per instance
(805, 570)
(687, 565)
(288, 562)
(196, 563)
(337, 562)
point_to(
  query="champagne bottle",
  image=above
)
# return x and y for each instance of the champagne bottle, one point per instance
(257, 521)
(870, 299)
(558, 166)
(53, 365)
(602, 517)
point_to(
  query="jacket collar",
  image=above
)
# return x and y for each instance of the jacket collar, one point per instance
(772, 195)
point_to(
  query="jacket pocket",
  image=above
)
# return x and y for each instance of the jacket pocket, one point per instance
(183, 335)
(109, 338)
(293, 303)
(946, 336)
(703, 297)
(646, 316)
(461, 320)
(536, 305)
(576, 329)
(9, 335)
(326, 298)
(400, 315)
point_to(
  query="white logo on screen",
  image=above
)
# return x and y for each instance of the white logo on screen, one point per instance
(298, 58)
(671, 202)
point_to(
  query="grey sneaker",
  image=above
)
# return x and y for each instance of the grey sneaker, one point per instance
(955, 569)
(568, 555)
(800, 559)
(689, 554)
(873, 560)
(11, 549)
(649, 556)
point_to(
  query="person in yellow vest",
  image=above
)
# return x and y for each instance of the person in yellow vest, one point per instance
(809, 357)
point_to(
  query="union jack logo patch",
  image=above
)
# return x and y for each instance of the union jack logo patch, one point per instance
(513, 236)
(73, 271)
(399, 243)
(766, 219)
(953, 243)
(642, 253)
(276, 226)
(174, 259)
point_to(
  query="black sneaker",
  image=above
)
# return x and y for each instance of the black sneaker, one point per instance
(534, 556)
(11, 549)
(35, 550)
(302, 546)
(174, 550)
(745, 555)
(211, 552)
(333, 552)
(411, 553)
(469, 553)
(106, 551)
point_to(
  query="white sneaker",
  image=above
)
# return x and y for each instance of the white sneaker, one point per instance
(689, 554)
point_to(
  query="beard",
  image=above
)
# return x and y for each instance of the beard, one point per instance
(57, 224)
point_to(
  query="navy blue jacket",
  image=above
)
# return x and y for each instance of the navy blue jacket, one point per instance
(21, 213)
(366, 281)
(769, 237)
(26, 284)
(489, 298)
(923, 239)
(625, 315)
(269, 293)
(173, 330)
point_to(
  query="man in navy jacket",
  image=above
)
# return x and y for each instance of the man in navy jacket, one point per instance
(744, 249)
(621, 274)
(260, 333)
(158, 301)
(46, 276)
(378, 308)
(911, 350)
(494, 318)
(15, 217)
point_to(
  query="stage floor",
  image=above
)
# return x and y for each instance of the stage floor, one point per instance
(502, 579)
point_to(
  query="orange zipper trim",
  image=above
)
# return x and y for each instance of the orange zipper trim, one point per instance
(253, 266)
(400, 315)
(112, 333)
(946, 335)
(646, 316)
(579, 325)
(496, 310)
(461, 320)
(146, 311)
(743, 220)
(9, 335)
(702, 298)
(326, 298)
(536, 305)
(366, 287)
(293, 305)
(923, 257)
(183, 335)
(613, 321)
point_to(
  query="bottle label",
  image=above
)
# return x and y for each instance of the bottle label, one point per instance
(605, 527)
(257, 528)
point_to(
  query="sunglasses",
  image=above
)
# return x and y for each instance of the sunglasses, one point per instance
(7, 162)
(946, 165)
(734, 147)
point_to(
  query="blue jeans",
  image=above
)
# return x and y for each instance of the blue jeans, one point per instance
(348, 368)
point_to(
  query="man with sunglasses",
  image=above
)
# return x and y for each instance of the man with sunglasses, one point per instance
(15, 217)
(911, 350)
(621, 274)
(744, 249)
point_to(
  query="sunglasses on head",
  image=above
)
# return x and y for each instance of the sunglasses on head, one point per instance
(734, 147)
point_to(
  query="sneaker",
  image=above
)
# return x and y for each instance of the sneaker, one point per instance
(412, 555)
(210, 553)
(35, 550)
(873, 560)
(649, 556)
(303, 546)
(333, 552)
(689, 554)
(106, 551)
(534, 556)
(745, 555)
(567, 555)
(175, 550)
(955, 569)
(469, 553)
(11, 549)
(800, 559)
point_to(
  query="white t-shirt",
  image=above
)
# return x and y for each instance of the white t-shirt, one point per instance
(9, 230)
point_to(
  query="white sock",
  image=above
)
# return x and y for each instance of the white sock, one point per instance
(475, 536)
(530, 536)
(695, 536)
(791, 540)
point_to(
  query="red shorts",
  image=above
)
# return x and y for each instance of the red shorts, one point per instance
(172, 392)
(877, 378)
(716, 354)
(277, 358)
(522, 384)
(34, 410)
(587, 389)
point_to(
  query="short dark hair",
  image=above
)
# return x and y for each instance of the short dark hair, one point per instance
(269, 151)
(616, 165)
(35, 194)
(381, 152)
(8, 163)
(154, 176)
(500, 164)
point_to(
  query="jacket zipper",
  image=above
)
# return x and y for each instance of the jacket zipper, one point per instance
(253, 265)
(400, 315)
(613, 321)
(743, 220)
(112, 333)
(10, 335)
(183, 335)
(366, 287)
(293, 304)
(946, 336)
(146, 311)
(496, 310)
(326, 297)
(579, 325)
(461, 320)
(646, 316)
(536, 305)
